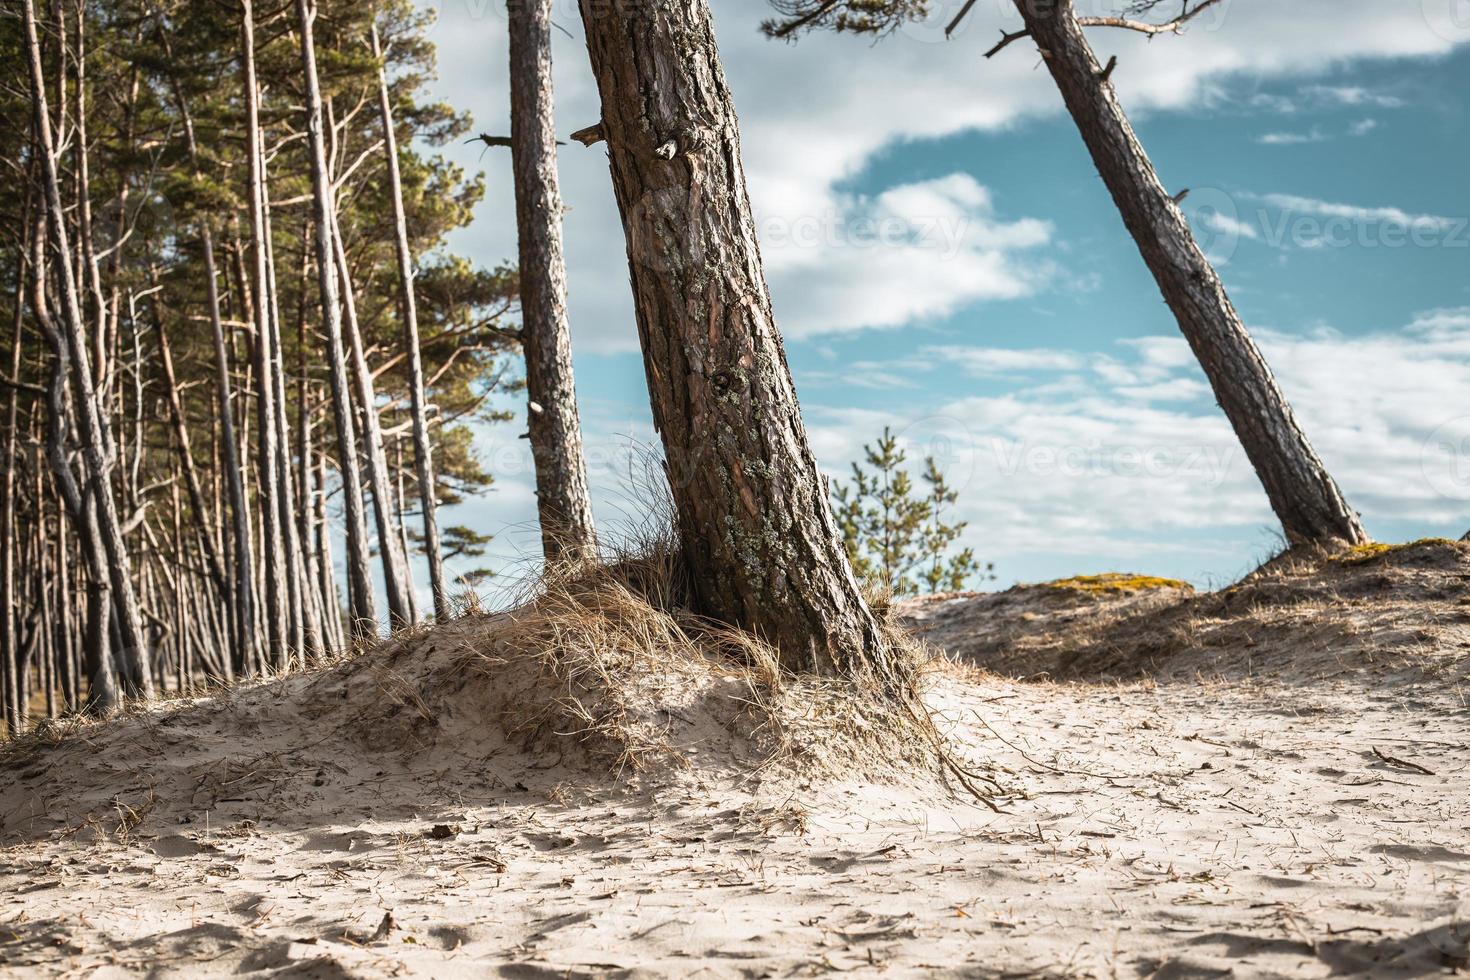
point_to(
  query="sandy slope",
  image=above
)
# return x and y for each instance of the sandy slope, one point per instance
(1168, 829)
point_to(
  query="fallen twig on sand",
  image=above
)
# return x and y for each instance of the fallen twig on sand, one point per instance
(1402, 763)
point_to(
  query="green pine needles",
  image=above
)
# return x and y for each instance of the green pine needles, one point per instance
(897, 533)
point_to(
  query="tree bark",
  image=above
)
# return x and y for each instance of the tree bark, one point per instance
(1303, 494)
(418, 401)
(359, 574)
(754, 520)
(568, 533)
(93, 437)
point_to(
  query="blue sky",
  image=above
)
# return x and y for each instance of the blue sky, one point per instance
(944, 259)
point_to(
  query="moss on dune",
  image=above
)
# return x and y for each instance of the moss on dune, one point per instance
(1117, 582)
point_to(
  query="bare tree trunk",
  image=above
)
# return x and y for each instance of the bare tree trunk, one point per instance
(93, 437)
(331, 598)
(303, 622)
(244, 610)
(1301, 491)
(186, 456)
(568, 533)
(278, 609)
(10, 681)
(359, 573)
(395, 573)
(756, 526)
(418, 402)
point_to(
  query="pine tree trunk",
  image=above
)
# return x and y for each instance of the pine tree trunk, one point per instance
(756, 526)
(94, 451)
(243, 611)
(1303, 494)
(568, 533)
(395, 572)
(359, 573)
(186, 455)
(268, 328)
(303, 622)
(10, 679)
(418, 401)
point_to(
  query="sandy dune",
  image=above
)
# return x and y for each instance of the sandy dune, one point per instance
(1306, 823)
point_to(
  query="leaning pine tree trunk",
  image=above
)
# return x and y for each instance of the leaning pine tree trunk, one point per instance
(565, 509)
(1303, 494)
(359, 572)
(757, 529)
(418, 402)
(94, 453)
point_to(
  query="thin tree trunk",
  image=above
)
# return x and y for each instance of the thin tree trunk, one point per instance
(568, 533)
(323, 209)
(331, 598)
(10, 682)
(277, 589)
(303, 623)
(186, 456)
(395, 576)
(244, 608)
(759, 538)
(418, 401)
(1303, 494)
(94, 447)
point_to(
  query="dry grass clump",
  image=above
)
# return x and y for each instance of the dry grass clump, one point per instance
(604, 667)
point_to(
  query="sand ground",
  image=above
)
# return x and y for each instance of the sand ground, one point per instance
(1247, 825)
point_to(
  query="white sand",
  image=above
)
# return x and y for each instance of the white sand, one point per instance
(1169, 830)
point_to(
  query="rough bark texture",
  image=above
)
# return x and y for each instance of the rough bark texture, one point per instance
(568, 533)
(1301, 491)
(754, 518)
(418, 402)
(359, 574)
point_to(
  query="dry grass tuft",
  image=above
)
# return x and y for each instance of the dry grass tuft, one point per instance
(604, 667)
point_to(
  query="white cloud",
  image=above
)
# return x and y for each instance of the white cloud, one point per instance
(1352, 95)
(816, 112)
(1362, 127)
(1358, 213)
(1134, 453)
(915, 251)
(987, 362)
(1228, 225)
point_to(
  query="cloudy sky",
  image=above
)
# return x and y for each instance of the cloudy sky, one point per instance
(944, 260)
